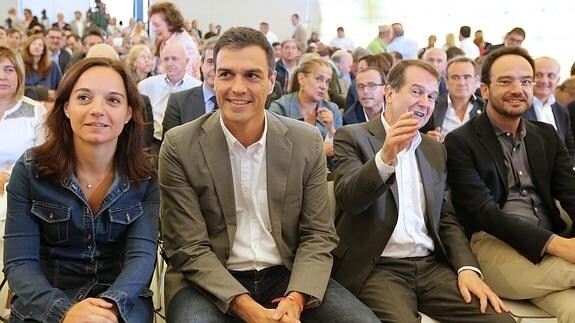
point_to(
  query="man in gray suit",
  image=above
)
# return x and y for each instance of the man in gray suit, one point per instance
(245, 218)
(400, 239)
(187, 105)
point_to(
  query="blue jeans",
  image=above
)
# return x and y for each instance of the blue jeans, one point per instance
(339, 306)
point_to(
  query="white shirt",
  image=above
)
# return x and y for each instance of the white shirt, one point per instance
(468, 46)
(344, 43)
(410, 237)
(20, 129)
(544, 111)
(451, 121)
(272, 38)
(254, 246)
(158, 88)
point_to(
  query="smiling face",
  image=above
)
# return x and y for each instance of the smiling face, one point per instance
(506, 97)
(160, 26)
(417, 94)
(546, 77)
(242, 85)
(98, 110)
(313, 85)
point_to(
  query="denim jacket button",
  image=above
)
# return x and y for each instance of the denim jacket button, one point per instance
(89, 247)
(128, 217)
(51, 216)
(89, 236)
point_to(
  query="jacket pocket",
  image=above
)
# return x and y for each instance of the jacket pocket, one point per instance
(121, 218)
(55, 221)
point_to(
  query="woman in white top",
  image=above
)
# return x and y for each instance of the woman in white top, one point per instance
(20, 119)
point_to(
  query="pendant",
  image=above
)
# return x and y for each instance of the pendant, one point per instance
(90, 186)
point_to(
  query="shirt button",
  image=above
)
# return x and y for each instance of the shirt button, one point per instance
(520, 173)
(89, 247)
(89, 236)
(535, 209)
(51, 216)
(128, 217)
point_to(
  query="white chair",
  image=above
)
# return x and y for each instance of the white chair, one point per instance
(524, 310)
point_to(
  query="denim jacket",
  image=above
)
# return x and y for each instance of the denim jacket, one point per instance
(56, 253)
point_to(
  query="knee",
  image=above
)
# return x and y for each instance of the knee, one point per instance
(566, 313)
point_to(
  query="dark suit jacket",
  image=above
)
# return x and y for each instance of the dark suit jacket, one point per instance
(368, 205)
(438, 115)
(199, 212)
(563, 123)
(354, 114)
(477, 176)
(148, 121)
(184, 106)
(64, 59)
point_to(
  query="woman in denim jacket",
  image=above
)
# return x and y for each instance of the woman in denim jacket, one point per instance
(82, 220)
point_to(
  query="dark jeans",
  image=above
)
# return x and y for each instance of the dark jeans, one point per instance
(338, 306)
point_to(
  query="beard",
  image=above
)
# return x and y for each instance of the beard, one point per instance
(505, 109)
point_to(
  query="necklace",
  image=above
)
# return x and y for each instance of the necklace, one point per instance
(91, 185)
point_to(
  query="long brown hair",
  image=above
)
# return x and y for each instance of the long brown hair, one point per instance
(56, 157)
(45, 64)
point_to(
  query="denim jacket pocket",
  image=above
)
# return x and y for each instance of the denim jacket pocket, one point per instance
(121, 218)
(55, 221)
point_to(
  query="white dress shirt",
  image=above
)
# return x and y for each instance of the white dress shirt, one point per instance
(254, 246)
(344, 43)
(410, 237)
(544, 111)
(469, 48)
(451, 121)
(272, 38)
(158, 88)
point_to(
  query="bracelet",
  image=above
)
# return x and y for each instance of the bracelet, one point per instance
(291, 298)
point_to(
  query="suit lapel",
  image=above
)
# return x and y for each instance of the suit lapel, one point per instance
(376, 141)
(278, 159)
(484, 130)
(215, 151)
(536, 157)
(559, 122)
(430, 191)
(439, 113)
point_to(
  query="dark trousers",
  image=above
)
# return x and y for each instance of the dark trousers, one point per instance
(338, 306)
(397, 289)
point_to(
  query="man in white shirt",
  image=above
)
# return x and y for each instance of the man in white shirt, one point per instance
(159, 87)
(460, 104)
(78, 26)
(245, 218)
(400, 239)
(466, 44)
(341, 41)
(545, 108)
(271, 37)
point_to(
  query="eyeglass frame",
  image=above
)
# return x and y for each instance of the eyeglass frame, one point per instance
(370, 86)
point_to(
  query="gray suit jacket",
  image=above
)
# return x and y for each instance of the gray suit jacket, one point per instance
(184, 106)
(368, 205)
(198, 210)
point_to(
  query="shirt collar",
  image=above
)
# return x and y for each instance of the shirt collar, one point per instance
(500, 132)
(539, 104)
(233, 142)
(179, 83)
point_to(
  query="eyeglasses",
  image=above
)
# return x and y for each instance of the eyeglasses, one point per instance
(370, 86)
(509, 83)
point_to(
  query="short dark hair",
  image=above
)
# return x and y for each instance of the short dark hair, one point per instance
(518, 31)
(503, 51)
(263, 23)
(92, 32)
(295, 15)
(465, 31)
(373, 68)
(340, 29)
(459, 59)
(241, 37)
(396, 77)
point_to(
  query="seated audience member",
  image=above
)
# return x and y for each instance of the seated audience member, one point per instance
(306, 100)
(40, 69)
(438, 58)
(90, 38)
(380, 61)
(187, 105)
(400, 239)
(82, 221)
(287, 63)
(545, 108)
(453, 52)
(370, 83)
(74, 45)
(505, 173)
(216, 177)
(139, 62)
(514, 38)
(159, 87)
(20, 120)
(14, 38)
(342, 60)
(59, 55)
(565, 95)
(459, 105)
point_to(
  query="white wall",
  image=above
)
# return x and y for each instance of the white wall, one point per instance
(250, 13)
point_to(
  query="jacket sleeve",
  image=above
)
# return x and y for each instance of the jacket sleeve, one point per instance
(140, 257)
(37, 300)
